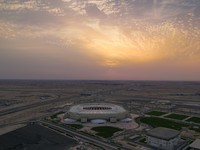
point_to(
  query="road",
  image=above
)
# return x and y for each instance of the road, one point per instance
(21, 108)
(42, 103)
(85, 137)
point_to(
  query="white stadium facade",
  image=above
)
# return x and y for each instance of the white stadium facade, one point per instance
(96, 113)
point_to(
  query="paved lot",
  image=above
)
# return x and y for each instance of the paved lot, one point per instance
(35, 137)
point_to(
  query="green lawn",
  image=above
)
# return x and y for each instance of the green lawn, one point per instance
(177, 116)
(156, 113)
(56, 114)
(197, 129)
(194, 119)
(105, 131)
(160, 122)
(143, 140)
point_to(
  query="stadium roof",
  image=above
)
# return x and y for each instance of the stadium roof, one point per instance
(163, 133)
(102, 108)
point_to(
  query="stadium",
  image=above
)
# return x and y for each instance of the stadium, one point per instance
(96, 113)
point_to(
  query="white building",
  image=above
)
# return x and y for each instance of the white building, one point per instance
(195, 145)
(163, 138)
(100, 111)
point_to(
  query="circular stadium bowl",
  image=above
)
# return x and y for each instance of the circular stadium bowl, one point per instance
(90, 111)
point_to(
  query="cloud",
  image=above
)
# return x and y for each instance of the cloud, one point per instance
(111, 34)
(16, 5)
(115, 45)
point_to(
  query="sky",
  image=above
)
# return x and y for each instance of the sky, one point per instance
(100, 39)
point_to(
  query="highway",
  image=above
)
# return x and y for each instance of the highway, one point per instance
(85, 137)
(21, 108)
(41, 103)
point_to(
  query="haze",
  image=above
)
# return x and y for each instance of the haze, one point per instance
(100, 39)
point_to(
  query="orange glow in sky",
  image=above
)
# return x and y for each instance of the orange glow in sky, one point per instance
(67, 39)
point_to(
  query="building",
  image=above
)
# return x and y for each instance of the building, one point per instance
(163, 138)
(195, 145)
(96, 112)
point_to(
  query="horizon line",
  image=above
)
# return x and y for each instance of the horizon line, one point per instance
(140, 80)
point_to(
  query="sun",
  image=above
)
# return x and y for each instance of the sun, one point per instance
(112, 47)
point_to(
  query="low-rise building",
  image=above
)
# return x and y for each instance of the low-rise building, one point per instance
(195, 145)
(163, 138)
